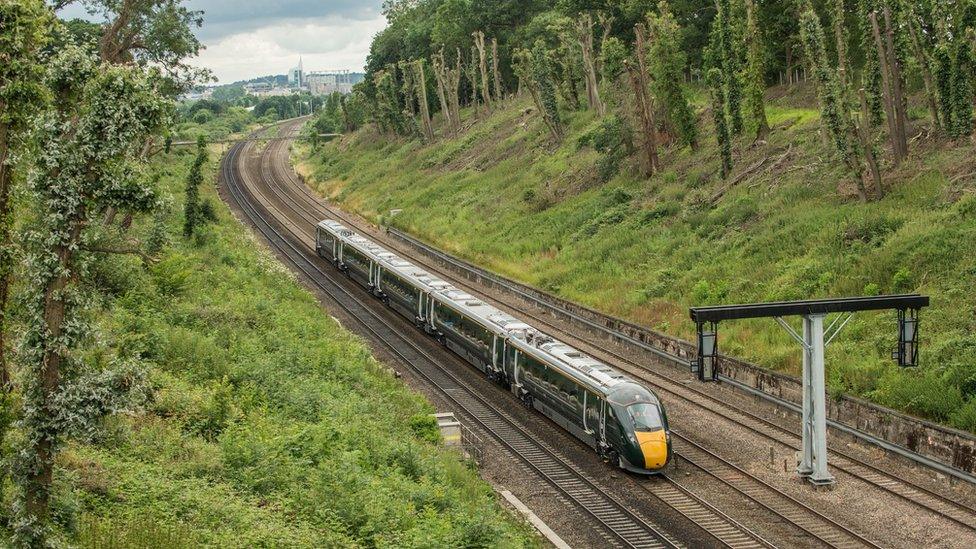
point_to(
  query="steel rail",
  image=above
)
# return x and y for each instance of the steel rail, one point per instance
(786, 507)
(629, 528)
(902, 488)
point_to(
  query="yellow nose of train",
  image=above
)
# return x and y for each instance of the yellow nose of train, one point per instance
(654, 446)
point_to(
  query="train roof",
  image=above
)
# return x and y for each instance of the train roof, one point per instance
(525, 337)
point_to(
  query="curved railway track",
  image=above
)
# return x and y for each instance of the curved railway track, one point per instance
(924, 498)
(806, 520)
(625, 526)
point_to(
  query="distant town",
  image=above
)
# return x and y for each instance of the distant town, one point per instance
(319, 83)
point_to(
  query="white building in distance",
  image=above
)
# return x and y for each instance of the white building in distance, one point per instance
(331, 81)
(296, 76)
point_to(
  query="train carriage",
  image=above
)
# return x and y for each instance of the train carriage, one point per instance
(619, 418)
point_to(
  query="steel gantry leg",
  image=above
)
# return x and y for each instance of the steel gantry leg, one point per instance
(805, 468)
(814, 326)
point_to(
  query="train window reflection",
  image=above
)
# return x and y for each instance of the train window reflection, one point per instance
(646, 417)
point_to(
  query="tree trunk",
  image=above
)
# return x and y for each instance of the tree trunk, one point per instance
(6, 251)
(440, 75)
(901, 117)
(584, 33)
(54, 315)
(472, 71)
(887, 77)
(479, 42)
(925, 62)
(840, 41)
(454, 86)
(869, 157)
(496, 76)
(420, 81)
(789, 64)
(643, 106)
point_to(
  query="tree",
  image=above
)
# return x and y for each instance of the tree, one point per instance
(479, 42)
(192, 212)
(891, 79)
(722, 136)
(643, 104)
(728, 62)
(420, 83)
(26, 29)
(756, 73)
(849, 140)
(667, 63)
(584, 34)
(85, 160)
(150, 32)
(871, 72)
(534, 70)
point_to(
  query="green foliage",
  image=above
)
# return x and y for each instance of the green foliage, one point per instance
(613, 139)
(719, 118)
(834, 107)
(755, 73)
(666, 61)
(541, 72)
(726, 58)
(85, 143)
(612, 55)
(194, 213)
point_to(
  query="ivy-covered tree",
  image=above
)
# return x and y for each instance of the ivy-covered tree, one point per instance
(722, 135)
(540, 72)
(835, 109)
(26, 26)
(86, 159)
(667, 62)
(756, 72)
(728, 62)
(871, 71)
(192, 210)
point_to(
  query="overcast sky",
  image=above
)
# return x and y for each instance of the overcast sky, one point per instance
(249, 38)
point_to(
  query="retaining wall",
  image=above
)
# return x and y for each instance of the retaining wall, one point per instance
(944, 444)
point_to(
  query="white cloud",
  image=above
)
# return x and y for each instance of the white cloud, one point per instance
(324, 43)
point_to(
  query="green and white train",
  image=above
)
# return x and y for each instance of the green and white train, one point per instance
(620, 419)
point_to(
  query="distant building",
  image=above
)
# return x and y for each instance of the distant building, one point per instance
(296, 76)
(196, 95)
(257, 88)
(328, 82)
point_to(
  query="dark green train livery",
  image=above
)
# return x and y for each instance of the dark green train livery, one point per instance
(620, 419)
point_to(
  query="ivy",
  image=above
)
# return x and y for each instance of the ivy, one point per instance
(82, 165)
(192, 209)
(667, 62)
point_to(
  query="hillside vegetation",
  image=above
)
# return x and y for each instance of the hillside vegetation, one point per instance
(256, 420)
(783, 226)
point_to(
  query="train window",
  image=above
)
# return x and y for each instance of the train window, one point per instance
(396, 285)
(645, 417)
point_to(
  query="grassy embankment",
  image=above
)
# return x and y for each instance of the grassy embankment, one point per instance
(265, 423)
(646, 249)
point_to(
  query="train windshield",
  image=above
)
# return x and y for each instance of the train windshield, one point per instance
(646, 417)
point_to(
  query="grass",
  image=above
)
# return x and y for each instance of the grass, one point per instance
(264, 423)
(502, 196)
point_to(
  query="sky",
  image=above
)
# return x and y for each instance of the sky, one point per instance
(250, 38)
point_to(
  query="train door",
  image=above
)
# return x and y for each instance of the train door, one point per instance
(602, 427)
(591, 414)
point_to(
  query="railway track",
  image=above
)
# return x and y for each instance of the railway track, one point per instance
(924, 498)
(626, 527)
(793, 512)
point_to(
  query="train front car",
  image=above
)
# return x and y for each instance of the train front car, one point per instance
(646, 446)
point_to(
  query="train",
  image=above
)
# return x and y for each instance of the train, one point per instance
(620, 419)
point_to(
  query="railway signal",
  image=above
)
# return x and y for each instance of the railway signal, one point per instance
(813, 339)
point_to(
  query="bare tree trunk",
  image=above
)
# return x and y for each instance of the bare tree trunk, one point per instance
(643, 105)
(6, 251)
(479, 42)
(472, 71)
(925, 62)
(584, 33)
(440, 74)
(496, 75)
(872, 162)
(408, 88)
(454, 86)
(901, 116)
(421, 86)
(887, 77)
